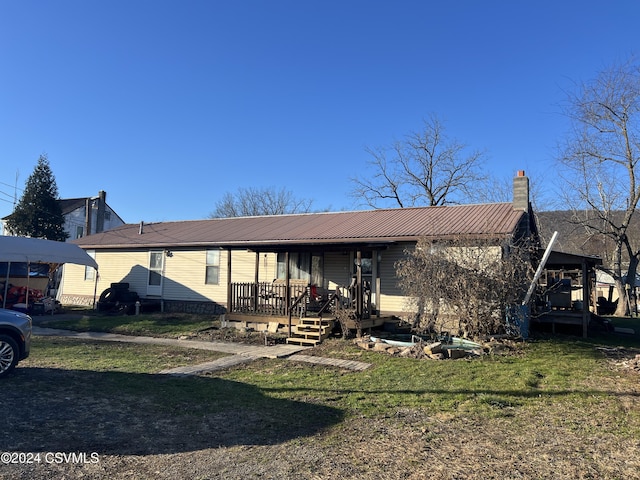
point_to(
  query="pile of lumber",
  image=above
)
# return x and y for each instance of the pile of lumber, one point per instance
(434, 350)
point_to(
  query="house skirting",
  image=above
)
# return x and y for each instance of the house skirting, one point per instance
(198, 308)
(169, 306)
(80, 300)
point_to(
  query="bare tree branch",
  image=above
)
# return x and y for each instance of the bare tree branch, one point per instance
(425, 169)
(252, 201)
(599, 164)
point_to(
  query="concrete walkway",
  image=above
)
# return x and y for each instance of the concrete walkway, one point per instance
(239, 353)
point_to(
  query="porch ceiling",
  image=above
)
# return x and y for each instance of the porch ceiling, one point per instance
(570, 261)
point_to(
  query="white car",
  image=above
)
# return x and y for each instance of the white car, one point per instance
(15, 339)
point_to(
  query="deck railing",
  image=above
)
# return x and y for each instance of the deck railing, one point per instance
(270, 299)
(266, 298)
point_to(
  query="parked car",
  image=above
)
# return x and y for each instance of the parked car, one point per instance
(15, 339)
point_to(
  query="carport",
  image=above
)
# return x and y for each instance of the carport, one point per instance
(30, 251)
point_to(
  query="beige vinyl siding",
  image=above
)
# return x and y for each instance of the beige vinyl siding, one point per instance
(243, 264)
(183, 276)
(336, 270)
(73, 282)
(114, 267)
(391, 298)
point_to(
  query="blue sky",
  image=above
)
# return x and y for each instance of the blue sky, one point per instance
(167, 105)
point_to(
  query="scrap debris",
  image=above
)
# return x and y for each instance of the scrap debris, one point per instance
(622, 357)
(436, 350)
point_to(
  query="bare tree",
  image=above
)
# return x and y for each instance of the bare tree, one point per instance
(599, 161)
(251, 201)
(463, 286)
(425, 169)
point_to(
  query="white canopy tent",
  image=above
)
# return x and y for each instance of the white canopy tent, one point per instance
(35, 250)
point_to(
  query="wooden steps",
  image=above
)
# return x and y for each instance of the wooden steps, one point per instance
(310, 332)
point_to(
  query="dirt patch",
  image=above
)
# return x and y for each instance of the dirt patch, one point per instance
(232, 334)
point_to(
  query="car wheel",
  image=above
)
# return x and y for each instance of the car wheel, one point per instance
(8, 354)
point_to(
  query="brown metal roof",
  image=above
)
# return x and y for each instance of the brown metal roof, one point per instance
(317, 228)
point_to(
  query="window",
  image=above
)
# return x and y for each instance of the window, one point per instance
(156, 273)
(79, 232)
(212, 270)
(90, 272)
(366, 261)
(302, 266)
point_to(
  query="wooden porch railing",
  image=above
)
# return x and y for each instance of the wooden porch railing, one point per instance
(266, 298)
(270, 299)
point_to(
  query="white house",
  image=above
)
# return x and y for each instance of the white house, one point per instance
(83, 216)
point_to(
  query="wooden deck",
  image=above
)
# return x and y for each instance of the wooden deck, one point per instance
(307, 331)
(564, 317)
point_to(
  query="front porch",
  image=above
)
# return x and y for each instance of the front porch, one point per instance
(307, 313)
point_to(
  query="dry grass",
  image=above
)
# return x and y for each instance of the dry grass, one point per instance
(561, 410)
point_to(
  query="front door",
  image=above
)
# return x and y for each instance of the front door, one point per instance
(154, 282)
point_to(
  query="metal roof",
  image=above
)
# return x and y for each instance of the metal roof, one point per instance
(389, 225)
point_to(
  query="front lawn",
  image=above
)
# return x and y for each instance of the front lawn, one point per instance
(151, 324)
(554, 407)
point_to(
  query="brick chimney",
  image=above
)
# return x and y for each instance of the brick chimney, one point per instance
(521, 192)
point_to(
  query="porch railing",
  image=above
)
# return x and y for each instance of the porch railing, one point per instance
(266, 298)
(270, 299)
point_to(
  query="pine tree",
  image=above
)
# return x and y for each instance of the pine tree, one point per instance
(38, 214)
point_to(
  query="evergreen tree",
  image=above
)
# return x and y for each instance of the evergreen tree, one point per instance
(38, 214)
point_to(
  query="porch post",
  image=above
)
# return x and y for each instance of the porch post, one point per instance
(229, 291)
(359, 297)
(255, 283)
(586, 280)
(287, 291)
(375, 273)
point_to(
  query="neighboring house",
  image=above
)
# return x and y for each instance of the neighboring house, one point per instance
(83, 216)
(87, 216)
(258, 266)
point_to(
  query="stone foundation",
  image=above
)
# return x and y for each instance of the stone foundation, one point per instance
(198, 308)
(80, 300)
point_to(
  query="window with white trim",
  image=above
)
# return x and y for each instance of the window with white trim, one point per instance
(212, 269)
